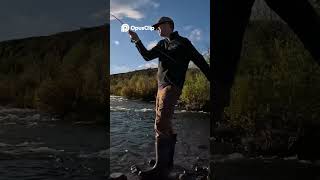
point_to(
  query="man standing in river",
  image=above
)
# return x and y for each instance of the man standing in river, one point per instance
(174, 53)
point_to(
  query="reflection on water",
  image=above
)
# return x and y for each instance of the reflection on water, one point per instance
(132, 135)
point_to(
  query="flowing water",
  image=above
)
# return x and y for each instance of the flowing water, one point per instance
(132, 142)
(132, 135)
(37, 146)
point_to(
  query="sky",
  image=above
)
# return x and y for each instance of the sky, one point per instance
(22, 19)
(27, 18)
(191, 17)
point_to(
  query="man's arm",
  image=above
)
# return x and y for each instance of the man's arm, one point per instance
(198, 60)
(146, 54)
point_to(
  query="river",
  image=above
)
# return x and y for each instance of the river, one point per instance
(132, 142)
(35, 146)
(132, 135)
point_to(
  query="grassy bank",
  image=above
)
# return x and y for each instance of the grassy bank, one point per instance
(139, 84)
(142, 85)
(65, 73)
(277, 82)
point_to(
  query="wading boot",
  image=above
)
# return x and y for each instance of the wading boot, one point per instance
(164, 148)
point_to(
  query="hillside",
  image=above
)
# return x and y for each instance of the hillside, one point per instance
(62, 73)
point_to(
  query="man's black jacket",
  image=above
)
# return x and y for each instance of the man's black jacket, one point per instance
(174, 56)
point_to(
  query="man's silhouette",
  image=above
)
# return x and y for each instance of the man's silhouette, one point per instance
(174, 53)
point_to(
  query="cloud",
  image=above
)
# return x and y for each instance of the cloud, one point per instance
(115, 69)
(148, 65)
(130, 9)
(195, 35)
(116, 42)
(206, 52)
(125, 11)
(151, 44)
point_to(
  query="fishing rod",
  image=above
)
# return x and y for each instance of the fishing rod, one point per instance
(163, 53)
(117, 19)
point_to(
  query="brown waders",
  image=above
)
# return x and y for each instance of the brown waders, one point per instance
(165, 138)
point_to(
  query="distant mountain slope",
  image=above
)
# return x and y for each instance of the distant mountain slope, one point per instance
(64, 72)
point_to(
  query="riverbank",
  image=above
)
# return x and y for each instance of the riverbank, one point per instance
(240, 168)
(142, 85)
